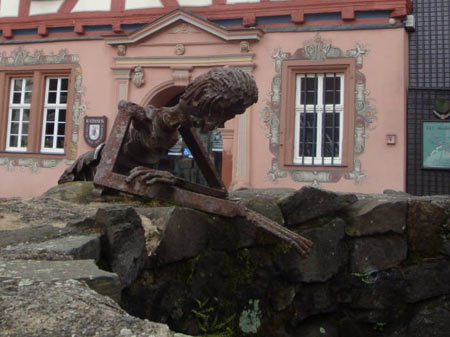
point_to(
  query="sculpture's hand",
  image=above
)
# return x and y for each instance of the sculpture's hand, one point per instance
(84, 167)
(150, 176)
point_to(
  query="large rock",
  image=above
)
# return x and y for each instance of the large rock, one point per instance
(185, 233)
(377, 253)
(37, 233)
(77, 192)
(377, 291)
(20, 213)
(263, 201)
(432, 319)
(326, 257)
(312, 300)
(426, 280)
(124, 241)
(67, 308)
(79, 247)
(376, 216)
(425, 219)
(320, 327)
(34, 272)
(310, 202)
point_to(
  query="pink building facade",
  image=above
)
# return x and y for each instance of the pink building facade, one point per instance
(332, 79)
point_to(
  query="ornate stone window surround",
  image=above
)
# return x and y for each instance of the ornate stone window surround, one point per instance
(292, 68)
(39, 66)
(318, 55)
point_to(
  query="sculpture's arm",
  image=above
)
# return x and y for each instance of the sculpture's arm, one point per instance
(84, 167)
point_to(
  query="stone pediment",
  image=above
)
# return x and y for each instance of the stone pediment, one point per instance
(183, 21)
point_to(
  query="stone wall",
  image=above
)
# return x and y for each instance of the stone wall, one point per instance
(380, 264)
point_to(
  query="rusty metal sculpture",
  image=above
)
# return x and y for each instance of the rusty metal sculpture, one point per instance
(140, 136)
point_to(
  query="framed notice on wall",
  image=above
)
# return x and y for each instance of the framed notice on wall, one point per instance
(436, 145)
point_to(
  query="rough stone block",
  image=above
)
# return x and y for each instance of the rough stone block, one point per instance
(29, 271)
(77, 191)
(28, 234)
(376, 216)
(377, 291)
(377, 253)
(432, 319)
(67, 308)
(326, 257)
(426, 280)
(263, 201)
(185, 233)
(322, 327)
(79, 247)
(312, 300)
(310, 202)
(125, 241)
(425, 219)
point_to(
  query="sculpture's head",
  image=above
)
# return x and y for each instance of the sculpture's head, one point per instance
(217, 96)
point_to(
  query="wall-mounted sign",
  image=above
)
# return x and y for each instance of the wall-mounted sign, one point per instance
(95, 130)
(442, 108)
(436, 145)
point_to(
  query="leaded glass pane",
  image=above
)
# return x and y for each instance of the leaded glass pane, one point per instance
(17, 85)
(62, 115)
(14, 128)
(53, 84)
(15, 114)
(50, 114)
(64, 84)
(17, 98)
(61, 129)
(51, 97)
(60, 142)
(13, 141)
(26, 115)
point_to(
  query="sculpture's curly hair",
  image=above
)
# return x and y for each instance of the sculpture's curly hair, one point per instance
(221, 91)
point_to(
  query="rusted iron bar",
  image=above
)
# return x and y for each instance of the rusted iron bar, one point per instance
(201, 158)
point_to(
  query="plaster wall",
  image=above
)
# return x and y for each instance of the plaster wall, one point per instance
(45, 7)
(386, 78)
(9, 8)
(89, 5)
(385, 69)
(99, 97)
(137, 4)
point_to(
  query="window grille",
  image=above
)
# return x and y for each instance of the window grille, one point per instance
(319, 113)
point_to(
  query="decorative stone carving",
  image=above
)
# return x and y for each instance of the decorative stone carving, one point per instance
(245, 46)
(275, 173)
(183, 28)
(137, 77)
(181, 77)
(279, 56)
(32, 163)
(317, 50)
(23, 57)
(121, 50)
(357, 174)
(180, 49)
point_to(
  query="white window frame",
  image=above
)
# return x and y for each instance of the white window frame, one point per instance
(57, 107)
(320, 108)
(18, 106)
